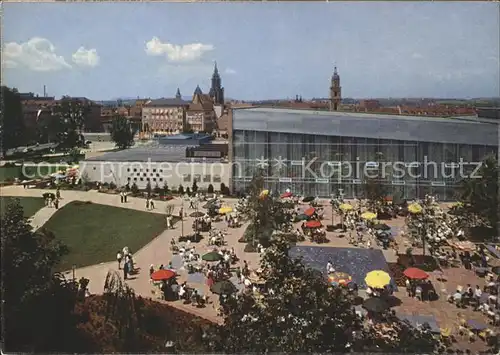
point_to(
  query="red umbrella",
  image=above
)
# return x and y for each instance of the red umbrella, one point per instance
(416, 274)
(286, 195)
(313, 224)
(160, 275)
(310, 211)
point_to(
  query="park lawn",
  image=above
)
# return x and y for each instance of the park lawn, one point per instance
(30, 205)
(94, 233)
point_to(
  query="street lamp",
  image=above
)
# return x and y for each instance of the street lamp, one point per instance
(182, 216)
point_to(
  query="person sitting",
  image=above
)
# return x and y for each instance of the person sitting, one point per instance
(151, 270)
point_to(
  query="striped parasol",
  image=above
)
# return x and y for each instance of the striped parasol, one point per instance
(339, 278)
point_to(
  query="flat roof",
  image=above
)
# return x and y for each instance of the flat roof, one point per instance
(153, 153)
(365, 125)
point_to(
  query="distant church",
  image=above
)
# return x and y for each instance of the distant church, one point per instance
(335, 91)
(216, 90)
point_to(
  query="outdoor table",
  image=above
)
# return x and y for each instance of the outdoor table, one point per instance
(475, 325)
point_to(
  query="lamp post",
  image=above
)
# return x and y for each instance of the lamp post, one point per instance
(182, 216)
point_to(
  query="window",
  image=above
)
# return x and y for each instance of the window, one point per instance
(186, 177)
(154, 179)
(135, 179)
(128, 178)
(142, 179)
(206, 178)
(147, 179)
(128, 170)
(157, 175)
(161, 179)
(217, 178)
(154, 170)
(144, 174)
(197, 177)
(147, 170)
(135, 170)
(161, 170)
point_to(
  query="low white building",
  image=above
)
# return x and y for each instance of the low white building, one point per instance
(158, 165)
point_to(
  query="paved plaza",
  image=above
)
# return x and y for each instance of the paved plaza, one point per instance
(158, 252)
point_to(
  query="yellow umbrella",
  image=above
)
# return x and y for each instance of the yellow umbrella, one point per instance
(225, 210)
(75, 167)
(377, 279)
(345, 207)
(264, 193)
(415, 208)
(369, 216)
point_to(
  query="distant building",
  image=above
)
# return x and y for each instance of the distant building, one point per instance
(369, 105)
(200, 114)
(164, 115)
(216, 91)
(335, 91)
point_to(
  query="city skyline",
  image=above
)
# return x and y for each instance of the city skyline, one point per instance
(264, 51)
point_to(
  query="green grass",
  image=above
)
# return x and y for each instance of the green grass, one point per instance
(30, 204)
(9, 173)
(94, 233)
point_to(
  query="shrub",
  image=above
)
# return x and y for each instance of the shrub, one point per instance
(134, 188)
(222, 187)
(210, 189)
(157, 189)
(112, 185)
(194, 188)
(165, 188)
(249, 248)
(180, 189)
(148, 188)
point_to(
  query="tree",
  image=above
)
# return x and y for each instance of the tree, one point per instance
(375, 192)
(70, 115)
(12, 128)
(148, 189)
(479, 194)
(134, 188)
(303, 315)
(121, 132)
(194, 188)
(31, 308)
(165, 187)
(74, 155)
(157, 189)
(180, 190)
(210, 189)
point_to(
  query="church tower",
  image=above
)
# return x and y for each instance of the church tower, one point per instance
(178, 94)
(335, 91)
(217, 91)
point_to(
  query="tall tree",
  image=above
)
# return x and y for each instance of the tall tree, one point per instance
(71, 114)
(121, 132)
(375, 192)
(479, 193)
(12, 126)
(34, 300)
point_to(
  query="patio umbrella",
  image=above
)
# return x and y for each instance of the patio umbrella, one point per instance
(416, 274)
(415, 208)
(212, 256)
(346, 207)
(302, 217)
(310, 211)
(197, 214)
(264, 193)
(339, 278)
(286, 195)
(308, 199)
(369, 216)
(496, 270)
(377, 279)
(160, 275)
(381, 226)
(376, 305)
(225, 210)
(313, 224)
(223, 288)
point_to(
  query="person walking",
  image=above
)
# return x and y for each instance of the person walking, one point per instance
(151, 204)
(147, 203)
(121, 197)
(125, 197)
(58, 193)
(56, 203)
(119, 257)
(125, 271)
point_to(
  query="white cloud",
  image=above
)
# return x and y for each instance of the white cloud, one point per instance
(230, 71)
(86, 57)
(177, 53)
(417, 55)
(37, 54)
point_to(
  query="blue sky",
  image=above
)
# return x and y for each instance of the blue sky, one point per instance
(263, 50)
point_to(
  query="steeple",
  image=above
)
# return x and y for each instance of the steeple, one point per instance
(178, 94)
(335, 91)
(198, 91)
(216, 90)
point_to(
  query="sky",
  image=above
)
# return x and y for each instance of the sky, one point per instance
(264, 50)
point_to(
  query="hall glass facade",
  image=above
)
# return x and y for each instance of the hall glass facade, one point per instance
(317, 165)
